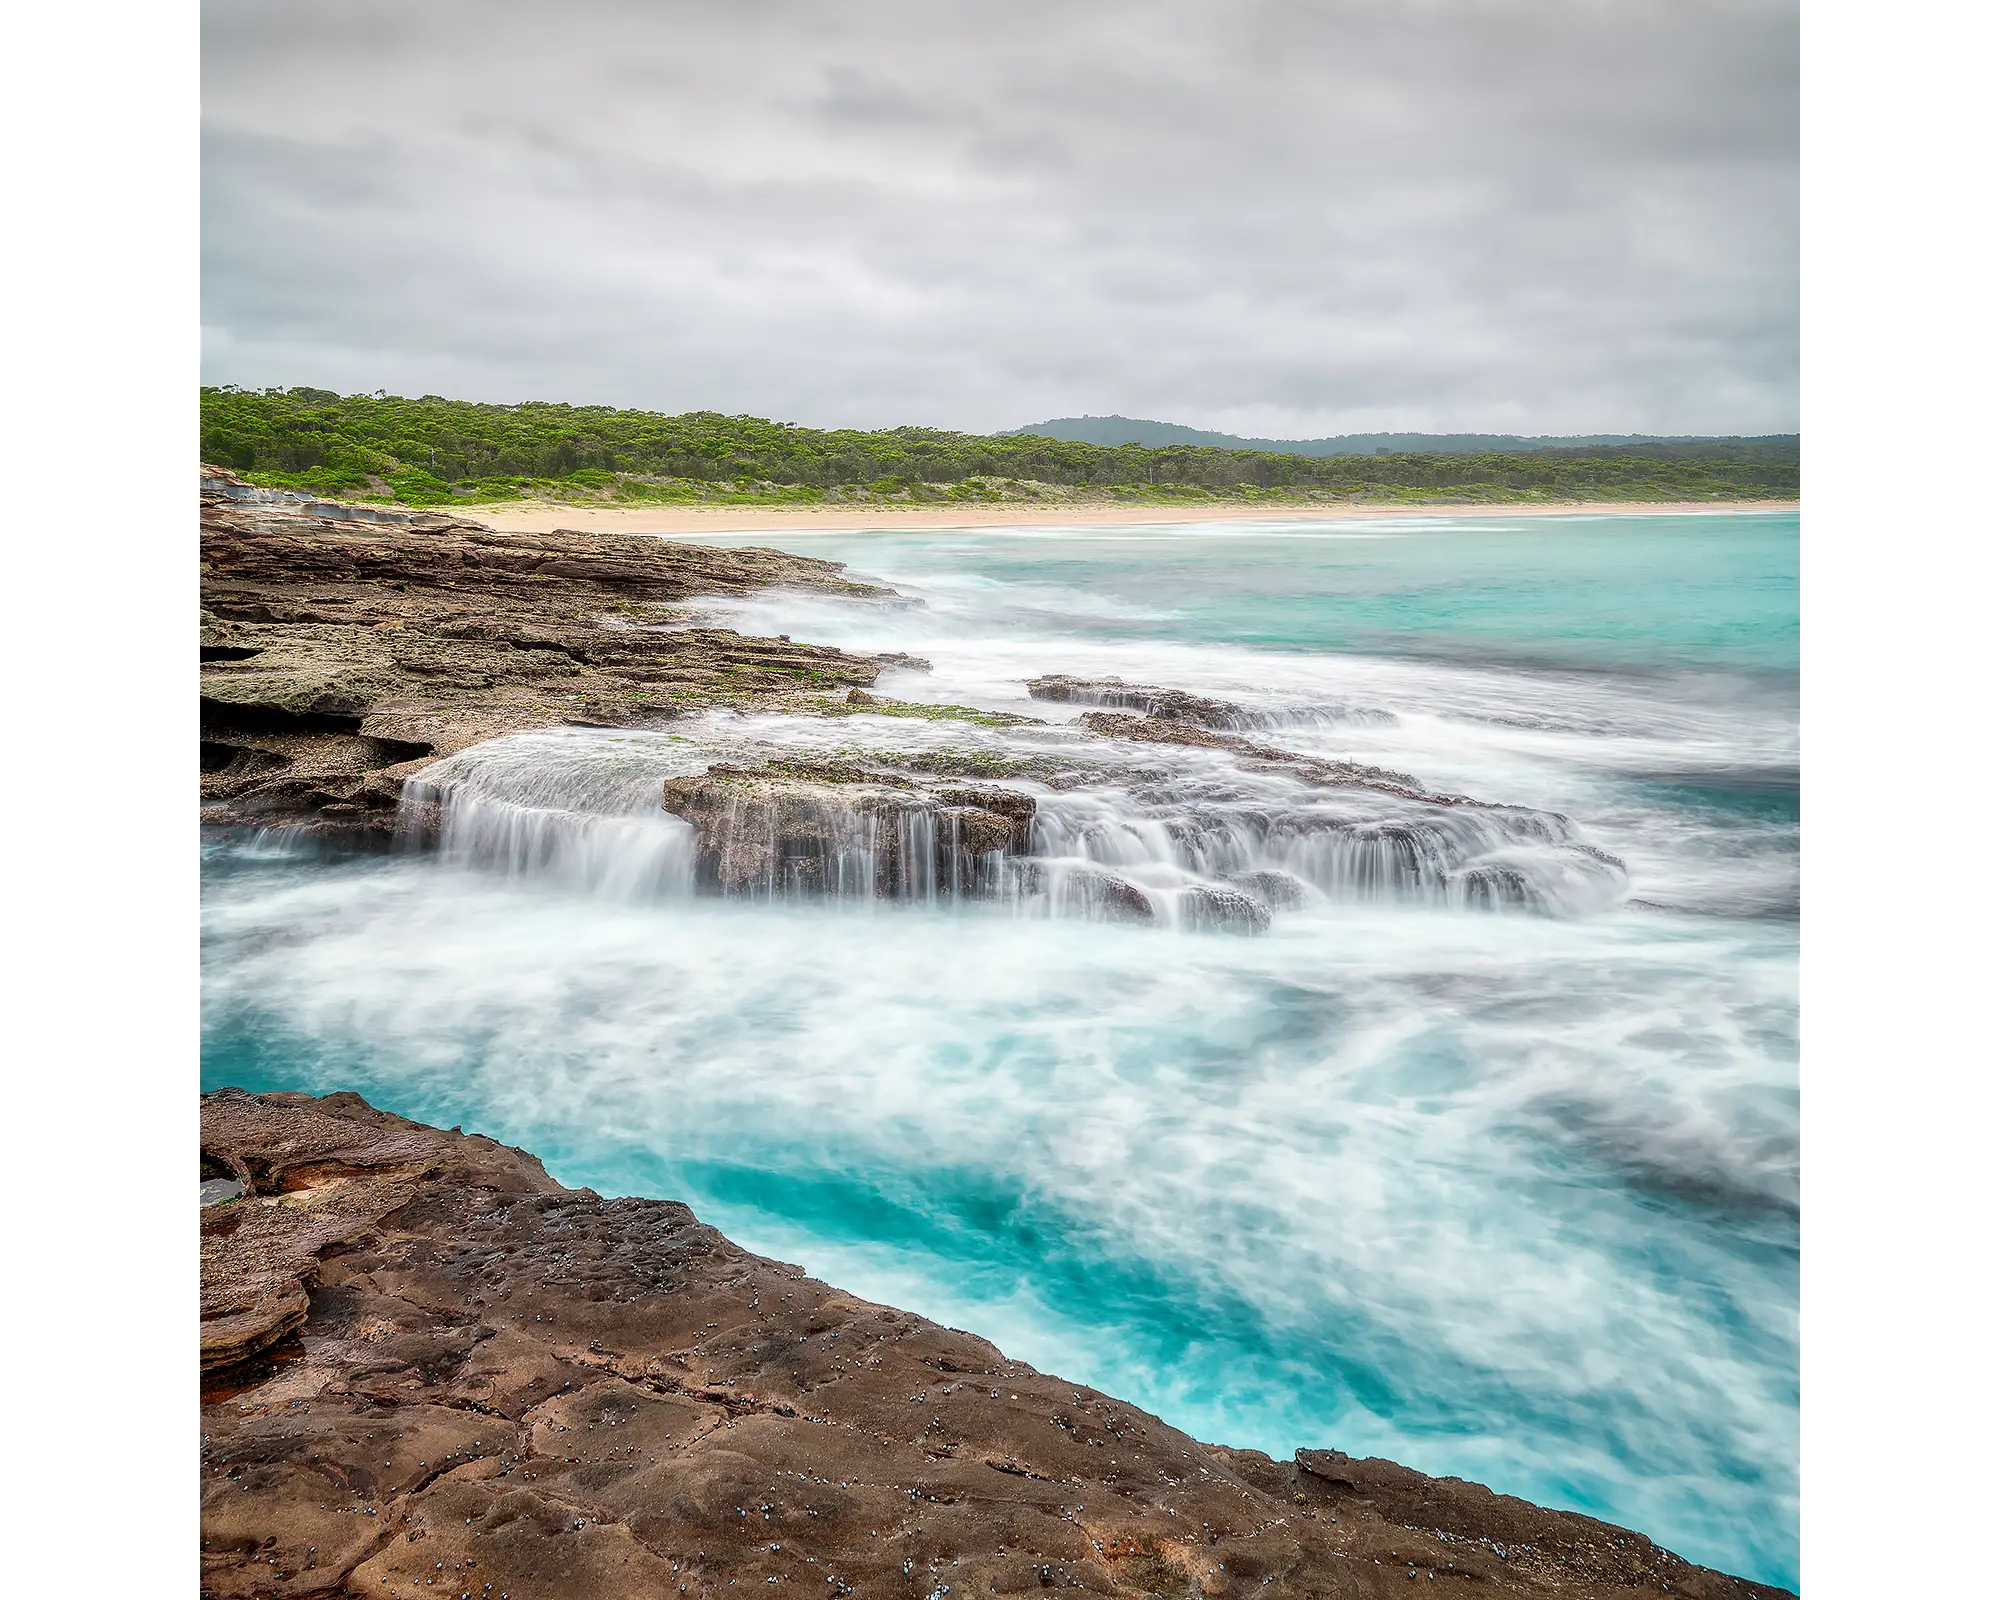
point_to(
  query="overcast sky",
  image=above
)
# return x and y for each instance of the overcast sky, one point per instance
(1290, 219)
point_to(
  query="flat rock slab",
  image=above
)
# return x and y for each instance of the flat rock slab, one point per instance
(499, 1387)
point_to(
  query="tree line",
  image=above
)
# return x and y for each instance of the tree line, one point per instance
(431, 450)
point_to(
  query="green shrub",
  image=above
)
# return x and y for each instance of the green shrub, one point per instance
(416, 487)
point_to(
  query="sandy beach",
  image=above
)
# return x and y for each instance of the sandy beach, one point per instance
(534, 517)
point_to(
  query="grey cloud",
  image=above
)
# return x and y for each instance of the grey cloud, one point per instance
(1538, 215)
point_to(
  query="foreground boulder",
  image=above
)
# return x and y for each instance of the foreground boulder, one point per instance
(500, 1387)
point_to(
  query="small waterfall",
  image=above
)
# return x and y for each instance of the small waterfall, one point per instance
(1309, 716)
(1356, 851)
(775, 836)
(635, 857)
(576, 810)
(1169, 836)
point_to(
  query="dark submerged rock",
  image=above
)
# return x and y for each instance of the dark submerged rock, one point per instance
(1178, 705)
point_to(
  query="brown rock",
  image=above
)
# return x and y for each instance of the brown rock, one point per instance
(344, 648)
(1148, 699)
(818, 827)
(1085, 891)
(505, 1387)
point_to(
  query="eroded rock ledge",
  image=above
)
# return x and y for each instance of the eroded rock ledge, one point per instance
(343, 652)
(431, 1369)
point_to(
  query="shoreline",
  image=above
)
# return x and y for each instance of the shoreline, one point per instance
(418, 1348)
(652, 1325)
(545, 517)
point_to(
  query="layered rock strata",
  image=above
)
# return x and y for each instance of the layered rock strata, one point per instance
(344, 649)
(431, 1369)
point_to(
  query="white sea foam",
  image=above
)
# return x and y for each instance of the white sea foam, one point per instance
(1449, 1150)
(1565, 740)
(1508, 1196)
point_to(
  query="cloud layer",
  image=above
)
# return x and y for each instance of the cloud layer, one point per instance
(1284, 218)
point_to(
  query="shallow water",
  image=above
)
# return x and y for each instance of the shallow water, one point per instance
(1506, 1194)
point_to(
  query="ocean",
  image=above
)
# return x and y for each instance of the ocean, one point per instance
(1484, 1157)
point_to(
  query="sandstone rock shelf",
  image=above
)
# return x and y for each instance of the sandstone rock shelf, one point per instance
(350, 655)
(341, 654)
(430, 1369)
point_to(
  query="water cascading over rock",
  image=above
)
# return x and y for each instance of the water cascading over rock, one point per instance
(1148, 823)
(772, 833)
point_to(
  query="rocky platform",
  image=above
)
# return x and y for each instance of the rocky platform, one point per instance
(343, 649)
(429, 1369)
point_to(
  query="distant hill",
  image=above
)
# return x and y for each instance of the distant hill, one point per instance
(1131, 430)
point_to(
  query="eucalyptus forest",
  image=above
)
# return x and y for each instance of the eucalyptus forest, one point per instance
(432, 451)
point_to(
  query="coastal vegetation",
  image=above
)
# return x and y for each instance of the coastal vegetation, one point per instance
(431, 451)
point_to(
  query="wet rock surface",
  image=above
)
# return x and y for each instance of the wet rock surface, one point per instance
(1275, 891)
(347, 651)
(1149, 700)
(342, 653)
(1207, 907)
(487, 1384)
(823, 828)
(1085, 891)
(1333, 774)
(1158, 702)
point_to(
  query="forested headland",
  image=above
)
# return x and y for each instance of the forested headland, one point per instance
(432, 451)
(1116, 430)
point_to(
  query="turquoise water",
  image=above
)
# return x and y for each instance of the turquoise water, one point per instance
(1502, 1195)
(1699, 590)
